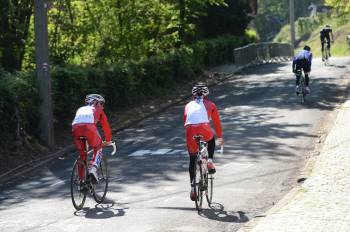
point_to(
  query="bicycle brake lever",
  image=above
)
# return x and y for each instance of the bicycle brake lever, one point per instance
(114, 148)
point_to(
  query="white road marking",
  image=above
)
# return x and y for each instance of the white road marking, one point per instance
(175, 152)
(161, 152)
(164, 151)
(59, 182)
(141, 153)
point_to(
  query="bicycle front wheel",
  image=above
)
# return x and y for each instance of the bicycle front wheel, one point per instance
(78, 184)
(209, 193)
(101, 186)
(198, 186)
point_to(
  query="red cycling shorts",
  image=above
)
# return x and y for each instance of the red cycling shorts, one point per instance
(90, 131)
(195, 129)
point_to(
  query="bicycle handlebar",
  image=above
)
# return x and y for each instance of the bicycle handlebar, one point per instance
(111, 143)
(114, 148)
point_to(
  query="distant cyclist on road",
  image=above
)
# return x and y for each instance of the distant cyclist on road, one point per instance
(197, 116)
(326, 36)
(85, 124)
(302, 61)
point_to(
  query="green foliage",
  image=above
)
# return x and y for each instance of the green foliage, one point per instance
(231, 18)
(307, 25)
(343, 6)
(304, 27)
(274, 14)
(18, 104)
(14, 20)
(108, 32)
(308, 33)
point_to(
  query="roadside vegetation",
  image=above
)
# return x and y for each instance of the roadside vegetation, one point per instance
(308, 32)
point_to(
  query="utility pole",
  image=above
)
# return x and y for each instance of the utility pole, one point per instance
(43, 72)
(292, 28)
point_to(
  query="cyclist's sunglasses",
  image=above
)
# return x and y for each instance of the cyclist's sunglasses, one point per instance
(101, 103)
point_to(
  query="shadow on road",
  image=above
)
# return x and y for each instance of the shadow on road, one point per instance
(218, 213)
(101, 211)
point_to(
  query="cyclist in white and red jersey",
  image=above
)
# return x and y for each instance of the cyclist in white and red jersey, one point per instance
(85, 124)
(197, 116)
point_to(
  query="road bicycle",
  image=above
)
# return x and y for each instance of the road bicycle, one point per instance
(203, 181)
(325, 52)
(82, 183)
(302, 84)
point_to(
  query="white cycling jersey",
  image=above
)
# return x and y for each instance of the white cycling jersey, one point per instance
(84, 114)
(196, 113)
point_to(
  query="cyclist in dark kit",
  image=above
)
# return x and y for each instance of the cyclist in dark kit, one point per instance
(326, 36)
(302, 61)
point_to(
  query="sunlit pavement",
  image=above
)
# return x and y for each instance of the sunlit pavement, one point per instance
(322, 202)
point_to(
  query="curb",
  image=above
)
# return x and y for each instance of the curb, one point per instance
(31, 165)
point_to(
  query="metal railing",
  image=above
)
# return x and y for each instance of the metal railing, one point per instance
(261, 53)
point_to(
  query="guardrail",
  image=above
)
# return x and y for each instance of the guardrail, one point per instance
(260, 53)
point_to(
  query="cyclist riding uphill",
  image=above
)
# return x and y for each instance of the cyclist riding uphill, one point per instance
(197, 116)
(302, 61)
(85, 124)
(325, 36)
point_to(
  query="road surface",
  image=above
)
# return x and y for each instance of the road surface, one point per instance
(268, 137)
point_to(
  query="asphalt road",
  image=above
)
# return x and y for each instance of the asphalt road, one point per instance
(268, 137)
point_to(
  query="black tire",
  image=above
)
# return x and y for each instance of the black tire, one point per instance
(78, 186)
(325, 55)
(302, 90)
(210, 185)
(100, 189)
(198, 183)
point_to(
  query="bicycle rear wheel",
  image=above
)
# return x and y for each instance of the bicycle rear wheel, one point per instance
(78, 184)
(327, 56)
(101, 186)
(302, 90)
(198, 185)
(209, 193)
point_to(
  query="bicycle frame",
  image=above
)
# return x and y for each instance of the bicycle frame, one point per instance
(202, 156)
(325, 51)
(204, 184)
(302, 85)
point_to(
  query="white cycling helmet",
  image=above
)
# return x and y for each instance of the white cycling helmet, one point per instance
(91, 98)
(200, 90)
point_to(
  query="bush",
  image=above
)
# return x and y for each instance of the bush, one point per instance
(18, 104)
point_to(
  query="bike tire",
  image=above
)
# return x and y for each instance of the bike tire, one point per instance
(210, 185)
(302, 91)
(326, 56)
(78, 188)
(101, 187)
(198, 182)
